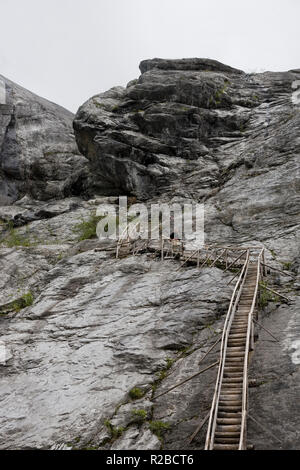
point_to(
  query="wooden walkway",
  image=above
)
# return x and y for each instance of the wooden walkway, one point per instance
(227, 426)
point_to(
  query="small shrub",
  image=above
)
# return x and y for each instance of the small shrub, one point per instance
(185, 351)
(265, 296)
(158, 428)
(161, 375)
(139, 416)
(25, 301)
(287, 265)
(86, 229)
(169, 362)
(114, 432)
(14, 239)
(135, 393)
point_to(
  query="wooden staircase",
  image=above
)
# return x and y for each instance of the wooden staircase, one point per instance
(227, 428)
(228, 418)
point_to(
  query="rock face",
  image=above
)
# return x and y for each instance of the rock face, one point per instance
(38, 153)
(87, 340)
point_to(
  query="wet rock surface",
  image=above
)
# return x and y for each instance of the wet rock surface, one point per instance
(98, 329)
(38, 153)
(89, 341)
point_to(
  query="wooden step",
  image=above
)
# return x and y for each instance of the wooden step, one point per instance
(233, 374)
(237, 335)
(233, 360)
(236, 342)
(236, 354)
(227, 375)
(227, 440)
(230, 403)
(230, 396)
(233, 368)
(232, 388)
(229, 420)
(232, 380)
(228, 433)
(243, 325)
(237, 330)
(226, 447)
(228, 414)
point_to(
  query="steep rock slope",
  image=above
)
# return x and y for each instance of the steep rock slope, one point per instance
(101, 332)
(200, 130)
(38, 152)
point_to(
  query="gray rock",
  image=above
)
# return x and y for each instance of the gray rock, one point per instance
(38, 152)
(199, 130)
(98, 328)
(190, 130)
(135, 438)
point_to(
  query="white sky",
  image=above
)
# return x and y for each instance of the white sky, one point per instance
(69, 50)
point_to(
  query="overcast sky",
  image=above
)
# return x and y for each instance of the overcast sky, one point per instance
(69, 50)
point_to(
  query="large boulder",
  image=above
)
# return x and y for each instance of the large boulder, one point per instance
(200, 130)
(38, 152)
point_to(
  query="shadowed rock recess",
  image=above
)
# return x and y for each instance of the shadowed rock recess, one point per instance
(87, 340)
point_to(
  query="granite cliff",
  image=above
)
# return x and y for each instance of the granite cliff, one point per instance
(87, 339)
(38, 153)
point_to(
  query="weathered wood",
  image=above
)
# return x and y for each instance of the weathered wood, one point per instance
(277, 293)
(226, 446)
(279, 270)
(198, 259)
(264, 428)
(234, 276)
(217, 405)
(217, 259)
(198, 429)
(186, 380)
(228, 420)
(239, 257)
(207, 353)
(259, 324)
(188, 259)
(206, 259)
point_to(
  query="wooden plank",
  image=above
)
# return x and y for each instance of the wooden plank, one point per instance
(199, 428)
(276, 293)
(276, 269)
(186, 380)
(269, 332)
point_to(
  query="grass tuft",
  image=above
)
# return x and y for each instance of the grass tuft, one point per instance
(158, 428)
(135, 393)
